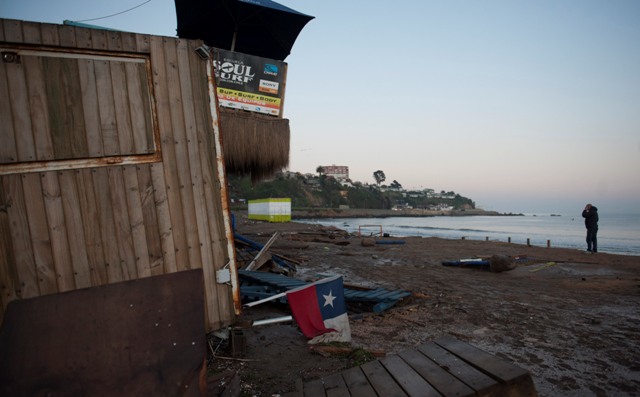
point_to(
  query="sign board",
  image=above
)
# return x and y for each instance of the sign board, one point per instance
(249, 82)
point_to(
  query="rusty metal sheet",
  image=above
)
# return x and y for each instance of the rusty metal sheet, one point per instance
(143, 337)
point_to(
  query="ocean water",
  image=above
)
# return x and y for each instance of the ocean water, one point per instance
(617, 234)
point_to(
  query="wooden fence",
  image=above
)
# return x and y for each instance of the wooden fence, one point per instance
(109, 169)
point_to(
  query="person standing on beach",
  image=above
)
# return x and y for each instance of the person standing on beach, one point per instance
(590, 215)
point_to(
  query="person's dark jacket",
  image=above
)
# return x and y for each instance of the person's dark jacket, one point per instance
(590, 218)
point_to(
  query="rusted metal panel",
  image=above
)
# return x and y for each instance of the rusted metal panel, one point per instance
(138, 338)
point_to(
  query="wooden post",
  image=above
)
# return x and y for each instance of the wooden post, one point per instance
(486, 238)
(548, 243)
(509, 240)
(528, 243)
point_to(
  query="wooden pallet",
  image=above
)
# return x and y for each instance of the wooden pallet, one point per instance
(445, 367)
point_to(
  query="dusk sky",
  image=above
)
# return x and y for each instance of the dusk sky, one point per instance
(522, 106)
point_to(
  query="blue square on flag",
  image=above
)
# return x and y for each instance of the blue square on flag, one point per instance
(320, 311)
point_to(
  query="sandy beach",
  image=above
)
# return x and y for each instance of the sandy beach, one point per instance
(571, 319)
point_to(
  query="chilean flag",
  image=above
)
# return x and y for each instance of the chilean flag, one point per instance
(320, 311)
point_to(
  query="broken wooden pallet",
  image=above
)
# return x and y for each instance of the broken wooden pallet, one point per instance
(445, 367)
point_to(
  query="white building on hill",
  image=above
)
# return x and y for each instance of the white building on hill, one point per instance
(339, 172)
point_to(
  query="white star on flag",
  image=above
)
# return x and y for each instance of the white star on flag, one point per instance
(328, 299)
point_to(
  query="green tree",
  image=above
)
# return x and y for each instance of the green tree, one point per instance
(379, 177)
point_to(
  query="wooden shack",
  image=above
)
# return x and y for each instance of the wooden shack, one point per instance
(111, 166)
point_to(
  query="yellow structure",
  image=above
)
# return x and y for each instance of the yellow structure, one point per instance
(271, 209)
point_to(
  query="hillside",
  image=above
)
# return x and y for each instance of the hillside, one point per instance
(322, 192)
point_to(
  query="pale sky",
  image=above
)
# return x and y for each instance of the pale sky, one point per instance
(522, 106)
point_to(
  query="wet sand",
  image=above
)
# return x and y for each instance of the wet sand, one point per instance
(571, 319)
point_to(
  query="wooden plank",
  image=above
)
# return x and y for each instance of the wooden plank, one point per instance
(357, 383)
(2, 30)
(150, 219)
(74, 228)
(440, 379)
(191, 81)
(143, 43)
(8, 278)
(13, 31)
(265, 249)
(122, 109)
(106, 222)
(128, 41)
(50, 34)
(57, 230)
(40, 238)
(67, 125)
(114, 40)
(497, 368)
(26, 284)
(99, 39)
(92, 237)
(314, 388)
(478, 381)
(165, 228)
(123, 227)
(83, 38)
(162, 81)
(335, 386)
(31, 32)
(410, 381)
(108, 127)
(181, 128)
(8, 150)
(18, 92)
(136, 220)
(90, 107)
(39, 107)
(381, 381)
(67, 36)
(139, 108)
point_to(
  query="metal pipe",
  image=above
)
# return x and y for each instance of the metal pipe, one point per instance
(272, 321)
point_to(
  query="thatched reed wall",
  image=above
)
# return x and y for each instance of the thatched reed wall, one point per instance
(253, 143)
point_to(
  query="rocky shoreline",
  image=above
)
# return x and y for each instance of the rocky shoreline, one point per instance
(380, 213)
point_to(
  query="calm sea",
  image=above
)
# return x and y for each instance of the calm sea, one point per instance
(617, 234)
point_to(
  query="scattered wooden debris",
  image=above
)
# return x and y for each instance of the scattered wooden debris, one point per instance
(256, 285)
(261, 258)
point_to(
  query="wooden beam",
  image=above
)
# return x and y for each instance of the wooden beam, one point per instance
(255, 263)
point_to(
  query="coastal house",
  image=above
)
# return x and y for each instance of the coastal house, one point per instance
(339, 172)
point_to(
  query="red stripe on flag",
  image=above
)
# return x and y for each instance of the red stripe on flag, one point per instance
(306, 310)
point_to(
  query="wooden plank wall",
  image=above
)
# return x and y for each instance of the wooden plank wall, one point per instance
(95, 224)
